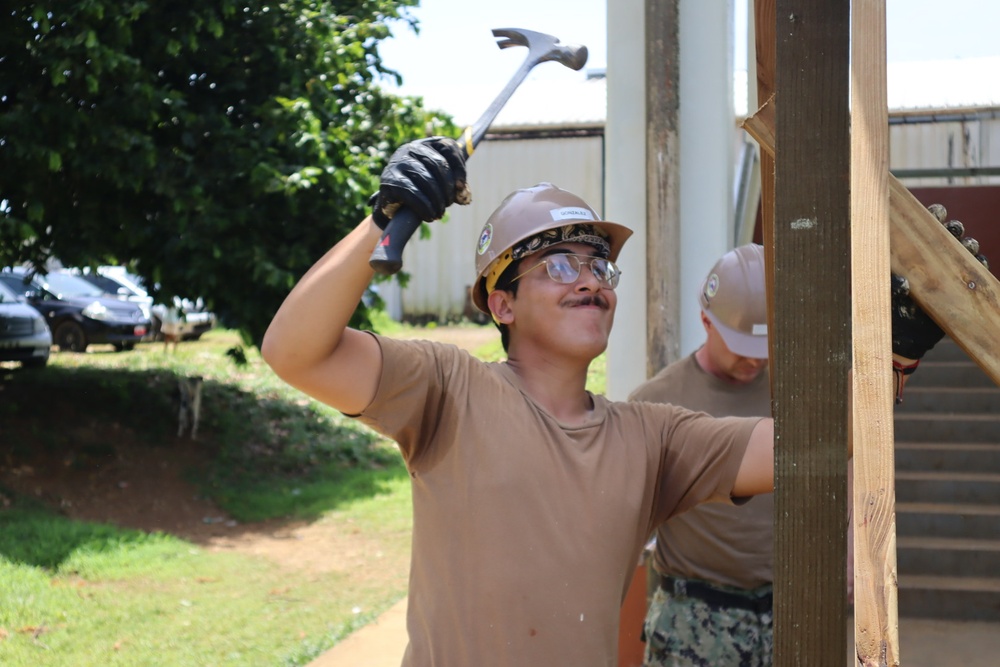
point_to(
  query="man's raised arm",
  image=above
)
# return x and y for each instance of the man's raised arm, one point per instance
(308, 343)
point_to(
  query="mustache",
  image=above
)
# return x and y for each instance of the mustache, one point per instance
(588, 300)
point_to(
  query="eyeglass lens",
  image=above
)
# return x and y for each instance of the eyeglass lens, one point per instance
(565, 269)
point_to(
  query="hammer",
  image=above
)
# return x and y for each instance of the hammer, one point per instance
(387, 258)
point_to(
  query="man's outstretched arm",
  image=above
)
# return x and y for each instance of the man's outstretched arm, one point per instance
(308, 343)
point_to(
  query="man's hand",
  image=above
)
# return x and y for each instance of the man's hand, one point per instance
(913, 331)
(425, 176)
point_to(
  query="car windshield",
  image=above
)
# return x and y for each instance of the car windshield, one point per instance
(65, 285)
(110, 285)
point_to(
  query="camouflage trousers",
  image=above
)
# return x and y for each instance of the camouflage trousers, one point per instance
(683, 631)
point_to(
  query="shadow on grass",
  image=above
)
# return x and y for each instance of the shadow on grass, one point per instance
(31, 534)
(259, 456)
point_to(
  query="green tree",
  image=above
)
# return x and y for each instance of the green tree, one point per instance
(216, 146)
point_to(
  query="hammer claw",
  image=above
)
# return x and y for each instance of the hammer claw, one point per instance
(505, 43)
(514, 37)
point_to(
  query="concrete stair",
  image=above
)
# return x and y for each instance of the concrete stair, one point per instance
(947, 433)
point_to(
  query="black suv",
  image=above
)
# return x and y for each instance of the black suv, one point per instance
(78, 313)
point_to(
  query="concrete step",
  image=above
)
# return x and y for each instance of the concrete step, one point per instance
(947, 456)
(949, 400)
(955, 598)
(948, 556)
(965, 427)
(948, 487)
(947, 432)
(948, 520)
(948, 374)
(946, 350)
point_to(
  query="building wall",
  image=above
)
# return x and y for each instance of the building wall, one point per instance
(943, 144)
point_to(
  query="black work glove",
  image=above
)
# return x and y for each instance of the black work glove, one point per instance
(425, 176)
(913, 331)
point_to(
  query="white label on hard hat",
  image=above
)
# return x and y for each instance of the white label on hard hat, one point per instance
(760, 330)
(571, 213)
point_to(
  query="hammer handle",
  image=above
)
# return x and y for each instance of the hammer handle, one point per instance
(387, 258)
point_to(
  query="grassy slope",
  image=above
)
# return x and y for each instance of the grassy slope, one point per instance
(89, 594)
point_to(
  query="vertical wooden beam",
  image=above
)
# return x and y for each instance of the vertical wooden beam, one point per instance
(876, 620)
(812, 330)
(663, 236)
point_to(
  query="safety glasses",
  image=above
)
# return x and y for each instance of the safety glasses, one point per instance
(565, 269)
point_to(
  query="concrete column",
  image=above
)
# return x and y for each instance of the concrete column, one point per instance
(707, 128)
(625, 190)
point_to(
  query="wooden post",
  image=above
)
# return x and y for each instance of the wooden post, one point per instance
(812, 330)
(876, 618)
(663, 236)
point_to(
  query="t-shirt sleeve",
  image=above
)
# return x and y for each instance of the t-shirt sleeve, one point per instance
(700, 461)
(412, 391)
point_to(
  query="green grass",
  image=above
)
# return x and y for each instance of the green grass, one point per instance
(79, 593)
(129, 598)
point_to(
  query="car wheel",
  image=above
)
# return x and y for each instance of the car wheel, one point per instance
(70, 337)
(35, 363)
(124, 347)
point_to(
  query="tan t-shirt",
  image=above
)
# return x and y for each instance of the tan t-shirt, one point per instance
(723, 544)
(526, 531)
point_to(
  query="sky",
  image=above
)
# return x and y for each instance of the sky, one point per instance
(456, 47)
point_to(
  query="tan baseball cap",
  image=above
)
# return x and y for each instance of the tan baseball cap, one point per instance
(734, 297)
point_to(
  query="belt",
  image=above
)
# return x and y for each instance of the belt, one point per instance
(717, 597)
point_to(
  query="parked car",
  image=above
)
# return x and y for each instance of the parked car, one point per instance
(24, 334)
(78, 313)
(193, 319)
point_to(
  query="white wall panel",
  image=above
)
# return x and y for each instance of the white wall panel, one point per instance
(943, 145)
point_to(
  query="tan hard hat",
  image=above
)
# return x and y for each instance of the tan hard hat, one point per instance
(526, 213)
(734, 297)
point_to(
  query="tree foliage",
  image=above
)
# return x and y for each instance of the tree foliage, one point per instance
(219, 147)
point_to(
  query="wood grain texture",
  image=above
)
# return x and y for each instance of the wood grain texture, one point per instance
(663, 235)
(811, 337)
(876, 619)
